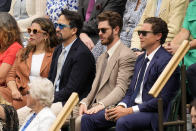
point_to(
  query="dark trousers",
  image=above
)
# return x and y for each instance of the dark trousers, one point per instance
(191, 77)
(133, 122)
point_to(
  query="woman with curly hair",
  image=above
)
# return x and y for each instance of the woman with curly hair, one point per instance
(10, 44)
(32, 61)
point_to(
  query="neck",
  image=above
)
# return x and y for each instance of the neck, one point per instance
(40, 48)
(152, 48)
(37, 108)
(69, 41)
(112, 43)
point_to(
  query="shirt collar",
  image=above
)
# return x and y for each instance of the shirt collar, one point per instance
(67, 48)
(150, 56)
(113, 48)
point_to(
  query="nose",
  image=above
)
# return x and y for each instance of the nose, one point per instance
(57, 28)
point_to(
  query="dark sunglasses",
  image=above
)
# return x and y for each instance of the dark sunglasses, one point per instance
(103, 30)
(35, 31)
(61, 26)
(144, 33)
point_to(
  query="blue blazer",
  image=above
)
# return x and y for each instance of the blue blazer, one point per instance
(77, 73)
(155, 68)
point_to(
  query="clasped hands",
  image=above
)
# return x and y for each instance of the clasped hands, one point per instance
(115, 113)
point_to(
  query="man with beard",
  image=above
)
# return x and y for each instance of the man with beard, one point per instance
(73, 65)
(138, 110)
(114, 68)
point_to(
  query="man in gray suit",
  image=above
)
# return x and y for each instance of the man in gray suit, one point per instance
(114, 68)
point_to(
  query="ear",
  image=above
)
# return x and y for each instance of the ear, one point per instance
(116, 30)
(74, 30)
(159, 35)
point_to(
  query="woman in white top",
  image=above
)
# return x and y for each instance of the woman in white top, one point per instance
(40, 98)
(32, 61)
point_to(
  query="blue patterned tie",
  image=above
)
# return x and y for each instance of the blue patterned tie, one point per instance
(139, 80)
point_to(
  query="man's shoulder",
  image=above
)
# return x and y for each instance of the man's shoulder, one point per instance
(125, 51)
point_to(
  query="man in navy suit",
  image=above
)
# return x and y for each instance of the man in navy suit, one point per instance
(138, 109)
(73, 65)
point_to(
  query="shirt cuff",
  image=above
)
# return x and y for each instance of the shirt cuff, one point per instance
(122, 104)
(135, 109)
(83, 103)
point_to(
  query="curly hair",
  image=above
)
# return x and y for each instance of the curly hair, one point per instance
(158, 26)
(9, 31)
(47, 26)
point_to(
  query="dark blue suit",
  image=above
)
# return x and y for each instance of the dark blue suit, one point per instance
(147, 117)
(77, 73)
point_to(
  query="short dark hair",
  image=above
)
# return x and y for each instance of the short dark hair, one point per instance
(74, 19)
(114, 19)
(158, 26)
(193, 104)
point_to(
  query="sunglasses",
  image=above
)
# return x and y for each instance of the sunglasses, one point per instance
(103, 30)
(61, 26)
(144, 33)
(35, 31)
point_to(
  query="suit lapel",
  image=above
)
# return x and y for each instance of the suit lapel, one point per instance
(155, 57)
(110, 65)
(29, 60)
(46, 61)
(70, 54)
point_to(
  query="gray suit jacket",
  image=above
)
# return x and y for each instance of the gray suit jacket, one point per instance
(116, 78)
(90, 27)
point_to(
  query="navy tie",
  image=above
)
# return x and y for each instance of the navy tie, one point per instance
(139, 80)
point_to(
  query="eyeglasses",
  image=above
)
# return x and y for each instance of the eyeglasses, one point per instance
(61, 26)
(143, 32)
(103, 30)
(35, 31)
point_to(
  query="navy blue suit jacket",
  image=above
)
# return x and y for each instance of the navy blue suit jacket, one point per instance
(155, 68)
(77, 73)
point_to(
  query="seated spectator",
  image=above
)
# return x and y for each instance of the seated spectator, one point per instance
(113, 73)
(25, 11)
(188, 29)
(54, 8)
(8, 118)
(89, 10)
(39, 99)
(10, 44)
(5, 5)
(32, 61)
(171, 11)
(73, 65)
(131, 17)
(138, 109)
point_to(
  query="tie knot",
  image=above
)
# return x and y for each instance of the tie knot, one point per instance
(146, 60)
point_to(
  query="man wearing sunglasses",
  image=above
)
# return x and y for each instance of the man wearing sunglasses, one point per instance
(114, 67)
(138, 110)
(89, 10)
(73, 65)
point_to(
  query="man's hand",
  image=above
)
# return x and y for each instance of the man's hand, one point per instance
(171, 48)
(95, 109)
(117, 112)
(87, 40)
(82, 109)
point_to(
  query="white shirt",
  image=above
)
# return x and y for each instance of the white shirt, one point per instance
(138, 99)
(36, 65)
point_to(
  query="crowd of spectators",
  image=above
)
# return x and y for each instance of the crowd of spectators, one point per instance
(110, 52)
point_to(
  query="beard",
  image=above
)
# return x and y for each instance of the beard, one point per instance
(60, 37)
(108, 40)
